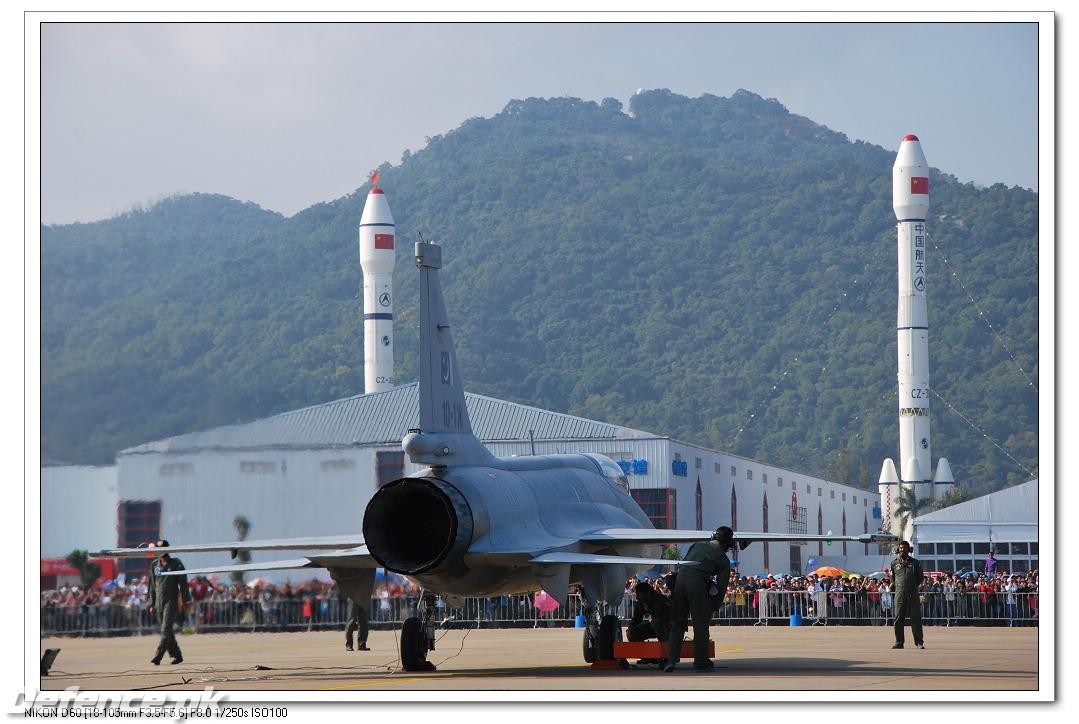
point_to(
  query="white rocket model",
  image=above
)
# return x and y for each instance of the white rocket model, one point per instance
(910, 201)
(377, 233)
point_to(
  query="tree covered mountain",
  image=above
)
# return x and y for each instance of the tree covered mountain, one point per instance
(715, 269)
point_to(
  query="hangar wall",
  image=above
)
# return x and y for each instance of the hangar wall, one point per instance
(78, 508)
(283, 493)
(734, 490)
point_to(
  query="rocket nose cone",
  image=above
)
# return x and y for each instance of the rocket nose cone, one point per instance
(910, 153)
(376, 210)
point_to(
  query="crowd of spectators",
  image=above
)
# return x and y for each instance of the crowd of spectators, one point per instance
(111, 605)
(947, 599)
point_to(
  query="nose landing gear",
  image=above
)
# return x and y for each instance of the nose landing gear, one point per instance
(418, 637)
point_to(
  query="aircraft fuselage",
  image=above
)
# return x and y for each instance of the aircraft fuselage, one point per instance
(439, 526)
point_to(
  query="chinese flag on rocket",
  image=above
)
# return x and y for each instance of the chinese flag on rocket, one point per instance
(384, 241)
(919, 184)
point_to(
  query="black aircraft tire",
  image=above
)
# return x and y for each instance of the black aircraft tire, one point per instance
(589, 646)
(610, 630)
(413, 647)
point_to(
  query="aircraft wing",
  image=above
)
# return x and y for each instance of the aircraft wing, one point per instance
(643, 535)
(335, 542)
(596, 559)
(268, 566)
(349, 558)
(795, 538)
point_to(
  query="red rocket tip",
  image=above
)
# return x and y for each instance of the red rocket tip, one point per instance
(910, 137)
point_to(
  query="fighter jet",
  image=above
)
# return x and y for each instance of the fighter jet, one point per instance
(472, 524)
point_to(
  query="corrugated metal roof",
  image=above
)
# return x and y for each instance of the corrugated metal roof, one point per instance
(384, 418)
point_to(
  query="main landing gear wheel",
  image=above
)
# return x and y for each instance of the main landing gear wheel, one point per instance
(589, 645)
(414, 646)
(610, 630)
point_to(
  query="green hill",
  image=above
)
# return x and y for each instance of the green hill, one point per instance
(715, 269)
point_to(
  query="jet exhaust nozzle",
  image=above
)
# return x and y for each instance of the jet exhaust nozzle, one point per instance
(413, 525)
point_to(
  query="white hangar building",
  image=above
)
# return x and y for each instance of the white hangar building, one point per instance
(78, 508)
(312, 471)
(961, 536)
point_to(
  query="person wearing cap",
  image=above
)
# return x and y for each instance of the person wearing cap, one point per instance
(690, 597)
(171, 595)
(907, 576)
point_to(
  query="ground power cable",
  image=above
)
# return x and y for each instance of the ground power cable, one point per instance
(397, 664)
(461, 648)
(210, 674)
(57, 674)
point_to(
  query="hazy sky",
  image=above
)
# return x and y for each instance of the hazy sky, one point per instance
(288, 115)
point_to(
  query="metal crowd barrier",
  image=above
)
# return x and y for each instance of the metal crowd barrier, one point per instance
(869, 609)
(764, 607)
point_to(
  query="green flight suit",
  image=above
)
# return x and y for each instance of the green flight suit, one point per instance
(658, 609)
(907, 575)
(355, 618)
(690, 598)
(165, 594)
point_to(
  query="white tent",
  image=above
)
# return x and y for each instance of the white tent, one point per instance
(1009, 515)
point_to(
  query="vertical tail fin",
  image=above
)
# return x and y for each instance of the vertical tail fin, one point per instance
(445, 435)
(442, 398)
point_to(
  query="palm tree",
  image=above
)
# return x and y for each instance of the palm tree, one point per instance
(88, 572)
(671, 553)
(908, 508)
(953, 497)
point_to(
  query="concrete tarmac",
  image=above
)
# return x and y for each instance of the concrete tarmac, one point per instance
(833, 658)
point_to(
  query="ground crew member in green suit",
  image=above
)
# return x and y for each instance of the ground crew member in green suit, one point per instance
(355, 618)
(691, 596)
(657, 607)
(170, 595)
(907, 575)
